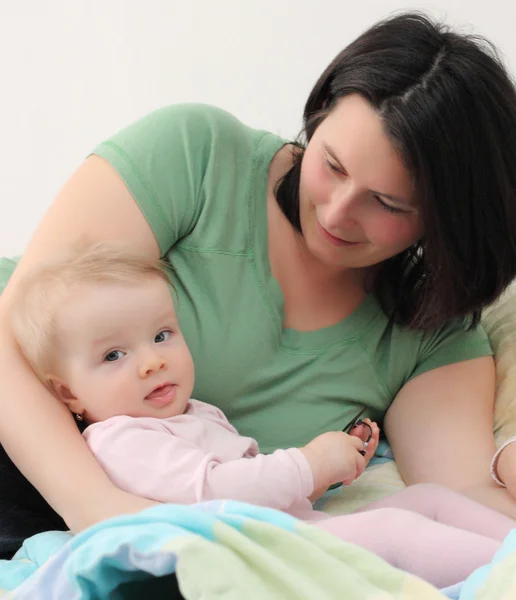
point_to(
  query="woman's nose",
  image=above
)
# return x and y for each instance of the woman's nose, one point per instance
(342, 209)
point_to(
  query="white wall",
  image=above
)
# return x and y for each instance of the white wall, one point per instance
(74, 71)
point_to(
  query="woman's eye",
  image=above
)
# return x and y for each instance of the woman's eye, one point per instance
(114, 355)
(388, 208)
(335, 168)
(162, 336)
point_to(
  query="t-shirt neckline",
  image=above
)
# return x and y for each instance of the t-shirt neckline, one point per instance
(340, 333)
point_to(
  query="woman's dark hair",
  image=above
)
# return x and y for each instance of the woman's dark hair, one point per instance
(449, 108)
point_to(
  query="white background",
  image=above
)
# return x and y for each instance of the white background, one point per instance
(74, 71)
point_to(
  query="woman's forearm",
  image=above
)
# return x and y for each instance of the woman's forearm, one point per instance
(41, 438)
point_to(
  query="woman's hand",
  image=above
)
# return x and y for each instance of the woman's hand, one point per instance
(506, 468)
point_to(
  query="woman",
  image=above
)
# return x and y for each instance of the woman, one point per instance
(309, 282)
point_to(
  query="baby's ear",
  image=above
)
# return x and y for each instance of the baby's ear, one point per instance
(64, 394)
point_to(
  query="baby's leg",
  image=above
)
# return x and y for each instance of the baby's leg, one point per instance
(451, 508)
(440, 554)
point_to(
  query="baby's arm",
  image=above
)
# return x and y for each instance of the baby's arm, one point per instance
(332, 456)
(148, 460)
(142, 457)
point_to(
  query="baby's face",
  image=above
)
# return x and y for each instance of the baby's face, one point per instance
(123, 352)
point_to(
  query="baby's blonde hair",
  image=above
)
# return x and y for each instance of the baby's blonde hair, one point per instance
(39, 294)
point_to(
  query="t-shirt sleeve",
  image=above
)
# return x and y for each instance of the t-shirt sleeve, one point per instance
(7, 266)
(451, 343)
(164, 157)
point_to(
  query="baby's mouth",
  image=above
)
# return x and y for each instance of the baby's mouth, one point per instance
(162, 395)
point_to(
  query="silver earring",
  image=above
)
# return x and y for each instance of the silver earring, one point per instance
(78, 417)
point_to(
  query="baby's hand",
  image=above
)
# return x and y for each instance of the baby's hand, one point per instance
(362, 432)
(334, 457)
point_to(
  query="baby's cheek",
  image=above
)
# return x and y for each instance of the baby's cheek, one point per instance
(112, 392)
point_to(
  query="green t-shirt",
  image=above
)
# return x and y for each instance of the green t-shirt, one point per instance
(199, 177)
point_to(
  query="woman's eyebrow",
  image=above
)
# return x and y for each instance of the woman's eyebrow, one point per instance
(331, 152)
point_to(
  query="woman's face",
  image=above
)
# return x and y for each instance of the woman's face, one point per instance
(357, 205)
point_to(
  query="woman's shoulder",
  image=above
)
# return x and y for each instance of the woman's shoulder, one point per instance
(197, 125)
(400, 353)
(455, 341)
(184, 164)
(178, 142)
(411, 352)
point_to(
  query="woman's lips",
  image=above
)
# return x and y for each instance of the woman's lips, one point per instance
(335, 240)
(162, 396)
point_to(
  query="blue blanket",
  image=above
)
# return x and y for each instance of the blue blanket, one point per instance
(218, 550)
(225, 551)
(495, 581)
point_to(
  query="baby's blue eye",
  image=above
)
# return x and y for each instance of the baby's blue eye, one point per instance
(114, 355)
(162, 336)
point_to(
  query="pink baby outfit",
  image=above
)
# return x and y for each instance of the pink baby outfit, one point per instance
(199, 456)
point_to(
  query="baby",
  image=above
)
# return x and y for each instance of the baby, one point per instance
(100, 330)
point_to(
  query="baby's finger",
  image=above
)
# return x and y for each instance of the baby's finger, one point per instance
(376, 437)
(375, 430)
(356, 430)
(360, 431)
(356, 442)
(372, 446)
(365, 431)
(374, 427)
(370, 450)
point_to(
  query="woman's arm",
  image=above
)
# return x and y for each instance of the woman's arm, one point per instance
(440, 427)
(36, 431)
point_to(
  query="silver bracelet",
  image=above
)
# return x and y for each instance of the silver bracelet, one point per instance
(494, 462)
